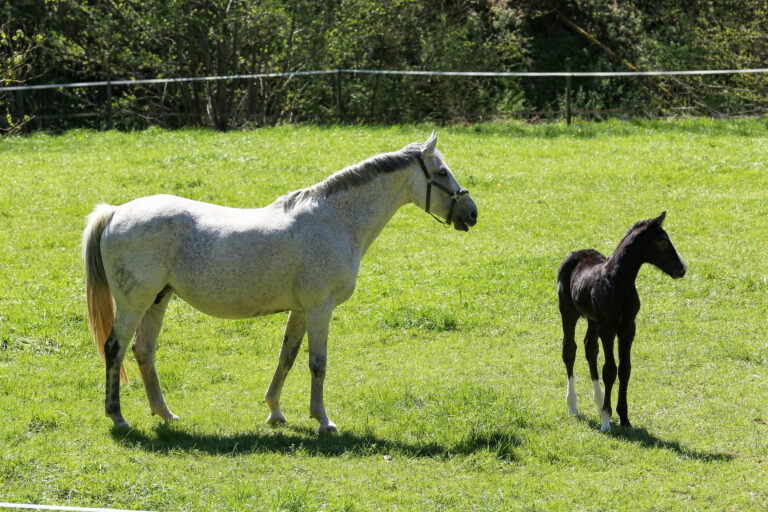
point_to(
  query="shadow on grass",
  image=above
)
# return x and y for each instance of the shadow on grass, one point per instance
(292, 439)
(647, 440)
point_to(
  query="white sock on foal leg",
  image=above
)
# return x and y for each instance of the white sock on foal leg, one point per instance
(570, 398)
(606, 426)
(597, 394)
(599, 397)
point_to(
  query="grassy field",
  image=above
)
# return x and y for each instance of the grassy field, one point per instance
(444, 371)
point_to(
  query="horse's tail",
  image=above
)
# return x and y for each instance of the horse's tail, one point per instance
(566, 267)
(101, 311)
(564, 273)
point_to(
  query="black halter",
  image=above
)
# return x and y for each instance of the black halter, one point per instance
(455, 196)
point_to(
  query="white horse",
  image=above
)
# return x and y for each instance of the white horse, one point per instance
(300, 254)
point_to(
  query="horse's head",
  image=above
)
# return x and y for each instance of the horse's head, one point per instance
(438, 192)
(659, 251)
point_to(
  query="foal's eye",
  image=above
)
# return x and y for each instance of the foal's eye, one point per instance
(442, 172)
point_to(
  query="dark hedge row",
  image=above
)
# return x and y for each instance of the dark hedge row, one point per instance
(79, 40)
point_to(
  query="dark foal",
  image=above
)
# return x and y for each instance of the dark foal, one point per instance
(603, 290)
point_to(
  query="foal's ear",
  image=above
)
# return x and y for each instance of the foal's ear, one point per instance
(660, 219)
(430, 145)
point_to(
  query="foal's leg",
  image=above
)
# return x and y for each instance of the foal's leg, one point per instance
(609, 375)
(114, 352)
(592, 349)
(626, 335)
(294, 333)
(569, 355)
(144, 350)
(318, 320)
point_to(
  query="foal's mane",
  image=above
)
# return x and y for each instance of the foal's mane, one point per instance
(636, 225)
(354, 175)
(637, 228)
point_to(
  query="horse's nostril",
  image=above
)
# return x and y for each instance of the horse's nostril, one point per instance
(473, 214)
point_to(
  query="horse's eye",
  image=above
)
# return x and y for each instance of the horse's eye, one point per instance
(443, 172)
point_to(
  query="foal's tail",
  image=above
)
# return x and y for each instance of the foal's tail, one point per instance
(101, 311)
(566, 267)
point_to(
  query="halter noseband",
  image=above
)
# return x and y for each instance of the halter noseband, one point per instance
(455, 196)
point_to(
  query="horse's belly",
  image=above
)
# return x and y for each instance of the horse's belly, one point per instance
(237, 307)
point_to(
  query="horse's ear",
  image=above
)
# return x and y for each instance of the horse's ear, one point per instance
(430, 145)
(660, 219)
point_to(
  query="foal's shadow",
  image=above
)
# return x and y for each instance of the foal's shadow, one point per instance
(647, 440)
(292, 439)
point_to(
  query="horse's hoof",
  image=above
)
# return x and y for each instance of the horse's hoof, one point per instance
(171, 417)
(330, 428)
(573, 411)
(606, 426)
(276, 419)
(626, 424)
(120, 424)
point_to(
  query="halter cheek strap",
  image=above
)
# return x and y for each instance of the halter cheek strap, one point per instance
(455, 196)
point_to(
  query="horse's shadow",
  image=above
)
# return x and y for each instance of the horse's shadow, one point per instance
(293, 439)
(298, 439)
(647, 440)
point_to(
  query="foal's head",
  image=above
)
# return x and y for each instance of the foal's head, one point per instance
(437, 191)
(657, 248)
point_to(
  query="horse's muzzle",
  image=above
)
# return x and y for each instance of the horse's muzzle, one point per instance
(466, 214)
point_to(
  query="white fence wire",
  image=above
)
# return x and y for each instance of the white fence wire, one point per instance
(28, 506)
(13, 93)
(489, 74)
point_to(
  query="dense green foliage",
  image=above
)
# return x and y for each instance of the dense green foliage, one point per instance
(444, 373)
(119, 39)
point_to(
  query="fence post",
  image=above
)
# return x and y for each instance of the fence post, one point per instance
(338, 95)
(568, 91)
(109, 105)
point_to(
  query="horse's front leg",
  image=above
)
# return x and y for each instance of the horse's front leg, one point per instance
(607, 334)
(626, 336)
(294, 333)
(318, 320)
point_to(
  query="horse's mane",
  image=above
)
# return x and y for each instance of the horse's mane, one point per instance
(637, 228)
(354, 175)
(636, 225)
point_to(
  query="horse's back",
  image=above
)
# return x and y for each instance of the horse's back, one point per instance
(208, 254)
(227, 262)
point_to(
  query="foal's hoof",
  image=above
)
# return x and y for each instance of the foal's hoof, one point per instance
(626, 424)
(573, 411)
(606, 426)
(330, 428)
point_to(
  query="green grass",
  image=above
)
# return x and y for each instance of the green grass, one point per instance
(444, 368)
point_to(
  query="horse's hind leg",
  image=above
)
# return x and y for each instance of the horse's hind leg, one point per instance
(115, 347)
(144, 348)
(569, 356)
(294, 333)
(592, 349)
